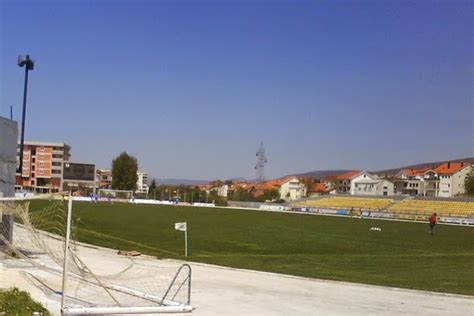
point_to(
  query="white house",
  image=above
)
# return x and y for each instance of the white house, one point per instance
(451, 178)
(423, 181)
(362, 176)
(223, 190)
(341, 184)
(380, 187)
(292, 189)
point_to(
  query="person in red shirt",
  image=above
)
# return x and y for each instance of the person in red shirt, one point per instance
(432, 220)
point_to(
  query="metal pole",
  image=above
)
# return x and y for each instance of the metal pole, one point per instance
(11, 112)
(66, 249)
(186, 242)
(22, 141)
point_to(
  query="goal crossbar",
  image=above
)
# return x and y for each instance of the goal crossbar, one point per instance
(126, 310)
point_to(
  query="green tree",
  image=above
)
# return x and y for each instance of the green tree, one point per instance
(469, 185)
(152, 189)
(218, 200)
(241, 194)
(308, 183)
(269, 195)
(124, 172)
(152, 186)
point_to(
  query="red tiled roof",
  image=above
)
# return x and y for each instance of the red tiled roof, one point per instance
(414, 172)
(271, 184)
(318, 188)
(450, 167)
(345, 176)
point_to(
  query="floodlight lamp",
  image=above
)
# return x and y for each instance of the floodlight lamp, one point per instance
(26, 61)
(31, 64)
(21, 60)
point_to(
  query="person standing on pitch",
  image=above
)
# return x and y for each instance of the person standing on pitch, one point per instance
(432, 220)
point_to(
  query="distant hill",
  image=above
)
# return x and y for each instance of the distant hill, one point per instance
(319, 174)
(181, 181)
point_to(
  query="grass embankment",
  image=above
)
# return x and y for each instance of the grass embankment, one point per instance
(402, 254)
(19, 303)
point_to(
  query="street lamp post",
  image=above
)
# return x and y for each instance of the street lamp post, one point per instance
(29, 64)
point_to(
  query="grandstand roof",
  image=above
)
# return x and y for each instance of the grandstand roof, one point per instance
(450, 167)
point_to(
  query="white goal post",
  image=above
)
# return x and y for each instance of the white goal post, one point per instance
(145, 286)
(115, 194)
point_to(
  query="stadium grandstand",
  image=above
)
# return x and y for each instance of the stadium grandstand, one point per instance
(442, 208)
(345, 203)
(400, 207)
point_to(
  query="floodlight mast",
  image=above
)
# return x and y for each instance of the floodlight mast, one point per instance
(29, 64)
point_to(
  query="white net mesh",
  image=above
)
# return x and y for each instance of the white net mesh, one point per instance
(96, 277)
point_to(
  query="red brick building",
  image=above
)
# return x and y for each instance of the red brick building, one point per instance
(42, 166)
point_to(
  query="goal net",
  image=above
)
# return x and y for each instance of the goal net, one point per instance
(82, 278)
(115, 194)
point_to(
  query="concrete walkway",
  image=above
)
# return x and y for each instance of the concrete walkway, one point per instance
(224, 291)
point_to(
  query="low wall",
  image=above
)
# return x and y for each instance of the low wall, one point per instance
(8, 145)
(249, 204)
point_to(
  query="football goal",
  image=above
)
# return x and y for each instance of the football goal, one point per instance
(115, 194)
(86, 279)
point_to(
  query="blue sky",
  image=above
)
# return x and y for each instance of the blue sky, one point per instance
(191, 88)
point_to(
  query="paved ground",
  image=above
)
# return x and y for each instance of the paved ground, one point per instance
(225, 291)
(219, 291)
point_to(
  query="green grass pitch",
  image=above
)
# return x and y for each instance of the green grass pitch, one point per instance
(402, 254)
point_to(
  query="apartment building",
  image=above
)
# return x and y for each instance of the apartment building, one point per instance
(142, 182)
(444, 180)
(452, 176)
(42, 166)
(104, 178)
(423, 181)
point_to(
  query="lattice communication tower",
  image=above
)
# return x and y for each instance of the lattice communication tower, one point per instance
(261, 161)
